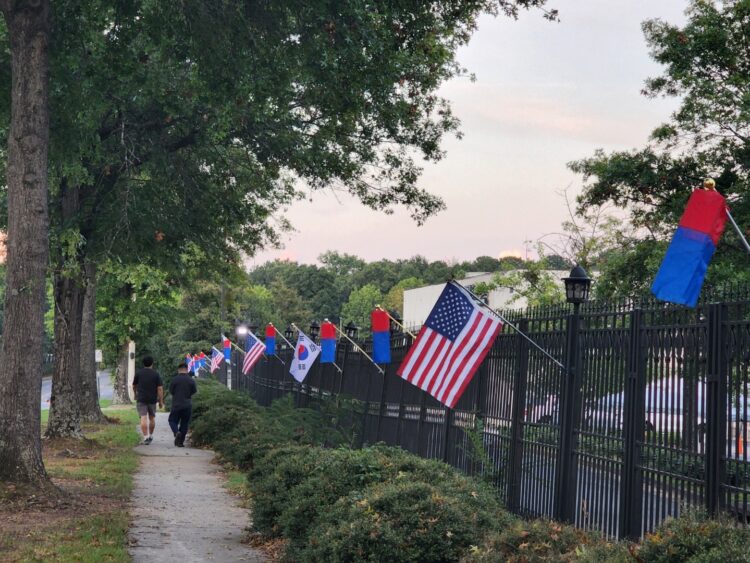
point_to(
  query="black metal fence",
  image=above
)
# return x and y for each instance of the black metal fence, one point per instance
(652, 420)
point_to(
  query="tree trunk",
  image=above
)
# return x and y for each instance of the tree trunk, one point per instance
(120, 394)
(69, 291)
(64, 404)
(27, 243)
(90, 410)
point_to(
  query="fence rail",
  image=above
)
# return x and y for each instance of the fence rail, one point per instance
(649, 417)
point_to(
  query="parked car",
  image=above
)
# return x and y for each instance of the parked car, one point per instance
(545, 411)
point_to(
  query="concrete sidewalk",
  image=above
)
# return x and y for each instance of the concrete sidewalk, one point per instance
(180, 512)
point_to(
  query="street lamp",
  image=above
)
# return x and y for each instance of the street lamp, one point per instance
(289, 333)
(241, 331)
(314, 329)
(395, 322)
(351, 330)
(577, 286)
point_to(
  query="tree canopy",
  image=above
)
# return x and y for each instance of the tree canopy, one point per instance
(705, 65)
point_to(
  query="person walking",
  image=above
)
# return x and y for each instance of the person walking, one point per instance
(149, 390)
(182, 388)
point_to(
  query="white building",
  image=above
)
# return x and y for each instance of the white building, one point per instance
(419, 302)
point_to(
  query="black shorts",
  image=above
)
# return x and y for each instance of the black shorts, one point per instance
(146, 409)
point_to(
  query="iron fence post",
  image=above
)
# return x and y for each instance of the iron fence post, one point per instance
(630, 518)
(365, 409)
(447, 434)
(716, 407)
(421, 422)
(401, 405)
(478, 460)
(567, 467)
(381, 408)
(515, 456)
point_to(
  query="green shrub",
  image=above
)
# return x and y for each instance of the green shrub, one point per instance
(241, 431)
(402, 520)
(695, 538)
(340, 472)
(271, 480)
(544, 541)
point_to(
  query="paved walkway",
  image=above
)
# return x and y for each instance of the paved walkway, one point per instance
(180, 511)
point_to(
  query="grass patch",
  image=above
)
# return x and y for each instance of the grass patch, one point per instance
(90, 522)
(236, 483)
(93, 539)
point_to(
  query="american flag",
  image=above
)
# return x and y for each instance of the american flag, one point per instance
(254, 349)
(190, 361)
(451, 345)
(216, 359)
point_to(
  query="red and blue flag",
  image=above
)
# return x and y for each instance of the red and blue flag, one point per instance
(227, 349)
(327, 343)
(381, 337)
(681, 274)
(270, 339)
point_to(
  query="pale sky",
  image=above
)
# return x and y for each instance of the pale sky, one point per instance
(546, 94)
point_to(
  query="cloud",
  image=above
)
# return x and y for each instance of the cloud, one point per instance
(559, 110)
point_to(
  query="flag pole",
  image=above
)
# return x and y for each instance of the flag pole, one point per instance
(710, 184)
(221, 344)
(283, 363)
(739, 232)
(342, 333)
(514, 327)
(284, 339)
(407, 331)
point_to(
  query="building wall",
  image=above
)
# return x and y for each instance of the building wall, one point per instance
(419, 302)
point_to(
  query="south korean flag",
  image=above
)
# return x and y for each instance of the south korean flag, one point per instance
(305, 353)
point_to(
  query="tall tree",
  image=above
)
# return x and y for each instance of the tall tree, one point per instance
(135, 302)
(707, 65)
(361, 303)
(27, 24)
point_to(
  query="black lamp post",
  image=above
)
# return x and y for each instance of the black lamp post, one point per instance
(289, 333)
(352, 330)
(253, 326)
(241, 334)
(577, 287)
(314, 330)
(395, 322)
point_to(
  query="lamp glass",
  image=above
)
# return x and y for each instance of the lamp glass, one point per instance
(577, 286)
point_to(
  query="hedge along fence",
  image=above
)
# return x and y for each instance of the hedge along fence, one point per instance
(333, 503)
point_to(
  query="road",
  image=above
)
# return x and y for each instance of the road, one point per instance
(105, 387)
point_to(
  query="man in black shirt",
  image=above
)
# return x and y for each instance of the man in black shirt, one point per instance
(182, 388)
(148, 389)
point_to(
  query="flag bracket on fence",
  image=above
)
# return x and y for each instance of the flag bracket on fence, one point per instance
(359, 347)
(407, 331)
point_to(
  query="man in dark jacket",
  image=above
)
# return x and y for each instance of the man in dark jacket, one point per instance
(182, 388)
